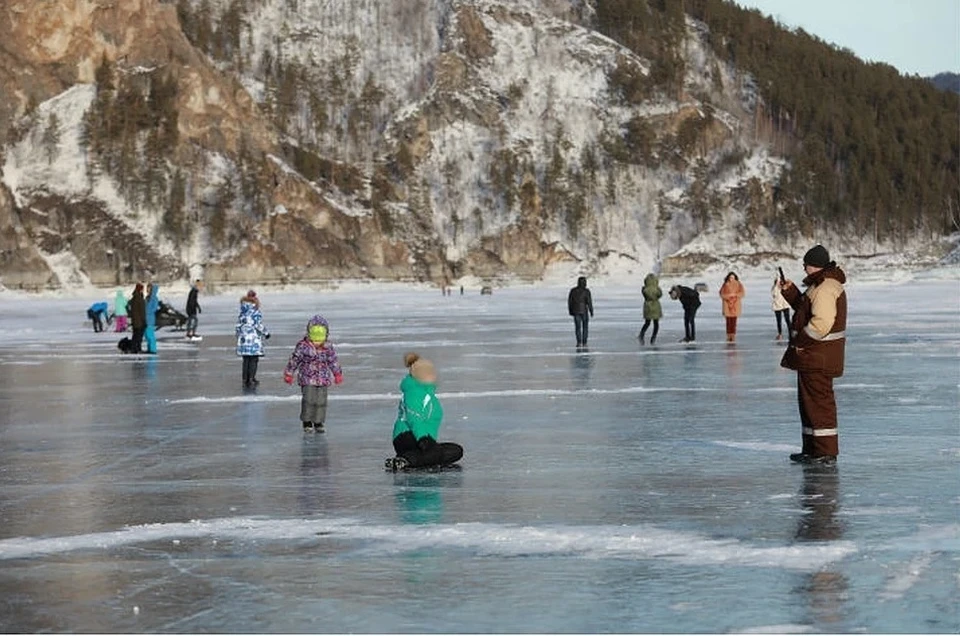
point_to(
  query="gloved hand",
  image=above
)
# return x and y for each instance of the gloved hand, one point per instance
(288, 378)
(338, 378)
(425, 443)
(266, 336)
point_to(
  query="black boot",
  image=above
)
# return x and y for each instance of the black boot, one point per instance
(803, 458)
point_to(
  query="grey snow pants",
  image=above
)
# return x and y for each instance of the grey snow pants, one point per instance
(313, 405)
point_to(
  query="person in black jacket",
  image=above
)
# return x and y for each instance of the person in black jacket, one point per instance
(690, 299)
(137, 308)
(193, 308)
(580, 306)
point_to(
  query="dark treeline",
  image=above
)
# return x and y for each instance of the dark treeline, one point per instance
(871, 151)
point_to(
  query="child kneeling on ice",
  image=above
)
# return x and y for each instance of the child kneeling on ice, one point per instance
(314, 360)
(418, 420)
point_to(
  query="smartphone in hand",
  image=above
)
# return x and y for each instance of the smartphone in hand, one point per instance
(783, 278)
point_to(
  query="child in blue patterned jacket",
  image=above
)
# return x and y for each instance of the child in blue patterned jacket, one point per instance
(250, 336)
(315, 363)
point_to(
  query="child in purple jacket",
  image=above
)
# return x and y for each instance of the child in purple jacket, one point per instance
(315, 363)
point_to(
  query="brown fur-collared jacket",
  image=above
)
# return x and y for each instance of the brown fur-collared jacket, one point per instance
(817, 341)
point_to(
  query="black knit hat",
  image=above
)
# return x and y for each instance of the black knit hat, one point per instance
(818, 256)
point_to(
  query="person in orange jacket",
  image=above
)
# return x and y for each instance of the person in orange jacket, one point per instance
(731, 293)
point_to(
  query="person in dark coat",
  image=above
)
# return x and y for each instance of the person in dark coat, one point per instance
(816, 352)
(580, 306)
(193, 308)
(138, 318)
(690, 299)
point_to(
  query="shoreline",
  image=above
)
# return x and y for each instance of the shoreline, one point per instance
(859, 273)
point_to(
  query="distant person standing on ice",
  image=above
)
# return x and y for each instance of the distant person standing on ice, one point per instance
(250, 336)
(152, 305)
(690, 300)
(419, 415)
(120, 311)
(781, 308)
(315, 366)
(580, 306)
(138, 318)
(652, 311)
(731, 295)
(816, 352)
(193, 308)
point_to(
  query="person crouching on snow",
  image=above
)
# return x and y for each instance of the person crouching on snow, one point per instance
(419, 415)
(314, 361)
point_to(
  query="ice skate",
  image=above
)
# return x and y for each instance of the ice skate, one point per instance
(395, 464)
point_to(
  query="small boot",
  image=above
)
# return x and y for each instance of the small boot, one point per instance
(308, 427)
(318, 427)
(653, 340)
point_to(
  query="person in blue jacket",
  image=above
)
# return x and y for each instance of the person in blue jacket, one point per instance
(153, 304)
(250, 336)
(97, 313)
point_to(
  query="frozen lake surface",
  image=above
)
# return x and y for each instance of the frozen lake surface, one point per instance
(627, 488)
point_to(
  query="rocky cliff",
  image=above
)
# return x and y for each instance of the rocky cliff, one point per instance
(277, 141)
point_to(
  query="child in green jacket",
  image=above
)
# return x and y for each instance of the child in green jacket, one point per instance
(418, 421)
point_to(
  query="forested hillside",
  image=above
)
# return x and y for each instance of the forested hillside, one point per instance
(872, 152)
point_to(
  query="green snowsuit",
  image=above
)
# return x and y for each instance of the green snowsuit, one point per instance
(418, 422)
(419, 410)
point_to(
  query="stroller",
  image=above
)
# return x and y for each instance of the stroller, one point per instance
(167, 316)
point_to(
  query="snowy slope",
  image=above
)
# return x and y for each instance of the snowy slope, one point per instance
(461, 84)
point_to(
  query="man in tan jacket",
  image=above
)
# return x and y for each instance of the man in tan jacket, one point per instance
(816, 352)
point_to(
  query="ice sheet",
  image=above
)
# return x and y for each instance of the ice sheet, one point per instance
(625, 488)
